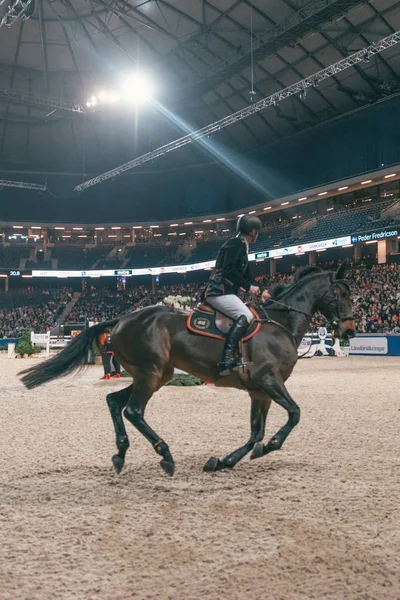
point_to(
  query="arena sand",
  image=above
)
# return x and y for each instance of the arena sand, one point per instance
(319, 519)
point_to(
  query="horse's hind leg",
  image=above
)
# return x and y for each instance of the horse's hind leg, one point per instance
(116, 403)
(260, 404)
(274, 386)
(144, 386)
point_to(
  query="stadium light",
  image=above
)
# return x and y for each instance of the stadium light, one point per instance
(284, 203)
(391, 175)
(137, 89)
(365, 182)
(268, 208)
(250, 213)
(345, 187)
(223, 218)
(207, 220)
(322, 193)
(190, 223)
(300, 199)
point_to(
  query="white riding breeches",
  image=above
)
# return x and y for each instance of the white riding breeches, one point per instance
(231, 306)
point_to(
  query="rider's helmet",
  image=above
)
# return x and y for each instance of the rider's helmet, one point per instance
(247, 223)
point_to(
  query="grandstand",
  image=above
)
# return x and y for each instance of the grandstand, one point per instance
(339, 215)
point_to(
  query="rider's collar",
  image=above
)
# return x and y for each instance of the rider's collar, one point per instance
(245, 241)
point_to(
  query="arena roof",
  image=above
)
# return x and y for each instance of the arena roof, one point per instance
(199, 53)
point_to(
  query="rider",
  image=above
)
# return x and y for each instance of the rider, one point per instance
(231, 275)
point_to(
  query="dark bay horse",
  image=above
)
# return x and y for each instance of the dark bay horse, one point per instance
(149, 343)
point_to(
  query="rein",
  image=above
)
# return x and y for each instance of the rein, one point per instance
(333, 322)
(288, 308)
(267, 319)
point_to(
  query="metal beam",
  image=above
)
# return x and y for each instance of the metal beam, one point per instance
(273, 100)
(46, 102)
(15, 10)
(286, 32)
(23, 185)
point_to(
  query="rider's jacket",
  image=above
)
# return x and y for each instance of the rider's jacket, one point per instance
(232, 270)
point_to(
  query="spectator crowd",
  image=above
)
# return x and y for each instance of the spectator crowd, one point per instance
(375, 292)
(36, 310)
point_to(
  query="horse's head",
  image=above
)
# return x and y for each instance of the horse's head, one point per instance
(336, 304)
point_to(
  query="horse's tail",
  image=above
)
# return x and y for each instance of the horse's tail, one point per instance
(69, 359)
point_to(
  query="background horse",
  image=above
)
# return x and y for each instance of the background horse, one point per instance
(151, 342)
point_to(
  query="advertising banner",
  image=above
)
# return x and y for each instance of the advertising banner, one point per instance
(378, 234)
(333, 243)
(369, 345)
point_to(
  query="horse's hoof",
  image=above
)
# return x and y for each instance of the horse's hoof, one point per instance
(211, 465)
(118, 463)
(258, 451)
(168, 467)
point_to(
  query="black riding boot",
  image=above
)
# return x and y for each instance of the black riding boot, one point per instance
(231, 348)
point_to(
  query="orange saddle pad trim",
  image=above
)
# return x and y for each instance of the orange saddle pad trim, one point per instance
(204, 323)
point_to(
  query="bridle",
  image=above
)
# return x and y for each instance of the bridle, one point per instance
(334, 322)
(335, 300)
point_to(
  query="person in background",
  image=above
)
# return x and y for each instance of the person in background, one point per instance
(107, 356)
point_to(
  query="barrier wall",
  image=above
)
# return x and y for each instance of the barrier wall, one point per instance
(361, 345)
(375, 345)
(4, 343)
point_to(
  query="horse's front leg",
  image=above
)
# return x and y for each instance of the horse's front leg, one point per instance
(273, 385)
(260, 404)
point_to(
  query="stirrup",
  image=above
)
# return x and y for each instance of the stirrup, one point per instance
(237, 365)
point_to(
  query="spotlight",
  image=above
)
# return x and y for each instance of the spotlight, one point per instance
(93, 100)
(137, 89)
(88, 104)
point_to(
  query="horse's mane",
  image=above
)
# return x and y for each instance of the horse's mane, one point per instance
(278, 290)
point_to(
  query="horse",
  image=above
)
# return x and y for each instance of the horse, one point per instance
(151, 342)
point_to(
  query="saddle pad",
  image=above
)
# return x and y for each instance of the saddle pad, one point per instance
(205, 323)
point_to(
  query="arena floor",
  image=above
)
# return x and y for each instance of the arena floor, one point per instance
(320, 519)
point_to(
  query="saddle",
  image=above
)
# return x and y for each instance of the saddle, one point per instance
(205, 320)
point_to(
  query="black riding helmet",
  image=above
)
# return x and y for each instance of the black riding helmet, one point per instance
(247, 223)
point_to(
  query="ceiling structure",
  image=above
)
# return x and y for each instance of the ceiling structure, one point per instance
(208, 59)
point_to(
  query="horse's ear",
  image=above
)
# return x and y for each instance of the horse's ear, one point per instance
(340, 272)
